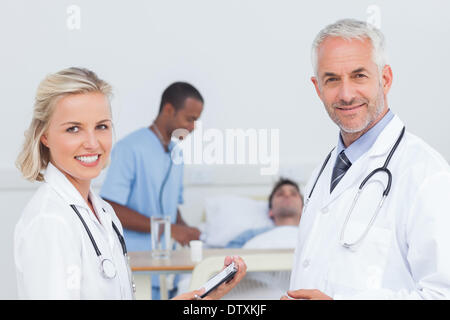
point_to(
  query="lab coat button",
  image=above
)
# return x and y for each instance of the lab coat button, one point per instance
(306, 263)
(325, 210)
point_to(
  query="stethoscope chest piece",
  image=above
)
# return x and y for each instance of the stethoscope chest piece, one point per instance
(108, 269)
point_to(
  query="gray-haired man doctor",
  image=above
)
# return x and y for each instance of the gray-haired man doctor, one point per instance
(401, 251)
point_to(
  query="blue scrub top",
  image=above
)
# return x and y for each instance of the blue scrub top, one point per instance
(138, 167)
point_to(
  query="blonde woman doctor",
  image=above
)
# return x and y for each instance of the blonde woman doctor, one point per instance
(68, 242)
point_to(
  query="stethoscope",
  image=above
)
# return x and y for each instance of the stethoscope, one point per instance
(384, 169)
(163, 185)
(107, 267)
(166, 177)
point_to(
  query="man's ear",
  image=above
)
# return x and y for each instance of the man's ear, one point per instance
(387, 78)
(168, 109)
(315, 81)
(270, 214)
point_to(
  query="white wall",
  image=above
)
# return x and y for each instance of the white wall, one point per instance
(250, 60)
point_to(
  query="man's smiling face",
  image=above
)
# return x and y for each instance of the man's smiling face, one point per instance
(349, 84)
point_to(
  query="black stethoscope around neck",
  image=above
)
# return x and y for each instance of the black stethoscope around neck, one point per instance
(107, 267)
(360, 189)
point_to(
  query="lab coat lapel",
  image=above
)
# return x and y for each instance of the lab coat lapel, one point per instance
(367, 162)
(62, 186)
(105, 218)
(321, 194)
(70, 194)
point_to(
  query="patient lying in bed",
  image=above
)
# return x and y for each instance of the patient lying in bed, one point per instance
(285, 206)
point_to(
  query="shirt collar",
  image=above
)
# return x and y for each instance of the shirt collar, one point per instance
(97, 203)
(365, 142)
(59, 182)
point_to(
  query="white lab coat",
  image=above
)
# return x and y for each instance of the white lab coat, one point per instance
(406, 254)
(53, 254)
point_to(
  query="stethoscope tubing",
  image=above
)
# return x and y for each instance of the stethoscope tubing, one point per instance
(94, 244)
(163, 185)
(363, 183)
(104, 261)
(91, 237)
(383, 168)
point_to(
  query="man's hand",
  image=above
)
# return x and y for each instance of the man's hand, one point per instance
(306, 294)
(184, 234)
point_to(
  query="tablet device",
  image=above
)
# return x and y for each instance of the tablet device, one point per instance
(224, 276)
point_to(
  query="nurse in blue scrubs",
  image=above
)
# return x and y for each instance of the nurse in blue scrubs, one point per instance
(143, 181)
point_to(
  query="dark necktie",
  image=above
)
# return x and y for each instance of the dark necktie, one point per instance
(339, 170)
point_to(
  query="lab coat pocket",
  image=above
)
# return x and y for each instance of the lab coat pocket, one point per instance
(361, 267)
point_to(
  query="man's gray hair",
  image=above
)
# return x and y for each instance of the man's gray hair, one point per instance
(352, 29)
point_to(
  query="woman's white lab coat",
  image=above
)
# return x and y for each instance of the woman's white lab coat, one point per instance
(406, 254)
(53, 254)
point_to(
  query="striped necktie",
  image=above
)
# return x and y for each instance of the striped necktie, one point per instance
(340, 168)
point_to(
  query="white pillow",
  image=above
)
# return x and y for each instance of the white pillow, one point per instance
(229, 215)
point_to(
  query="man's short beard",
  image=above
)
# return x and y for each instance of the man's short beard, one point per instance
(379, 108)
(285, 212)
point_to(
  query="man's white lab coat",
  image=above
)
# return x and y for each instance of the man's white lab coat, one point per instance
(406, 254)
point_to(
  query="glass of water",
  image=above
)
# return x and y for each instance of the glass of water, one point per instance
(160, 237)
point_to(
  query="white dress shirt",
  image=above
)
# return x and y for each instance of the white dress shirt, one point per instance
(53, 254)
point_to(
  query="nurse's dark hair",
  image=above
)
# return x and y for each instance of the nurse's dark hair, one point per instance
(281, 182)
(35, 156)
(177, 93)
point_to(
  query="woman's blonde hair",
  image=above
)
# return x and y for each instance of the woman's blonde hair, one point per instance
(34, 156)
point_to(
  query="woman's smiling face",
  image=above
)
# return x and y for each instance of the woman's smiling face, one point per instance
(79, 136)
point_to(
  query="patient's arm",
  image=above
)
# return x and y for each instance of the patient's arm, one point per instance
(242, 238)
